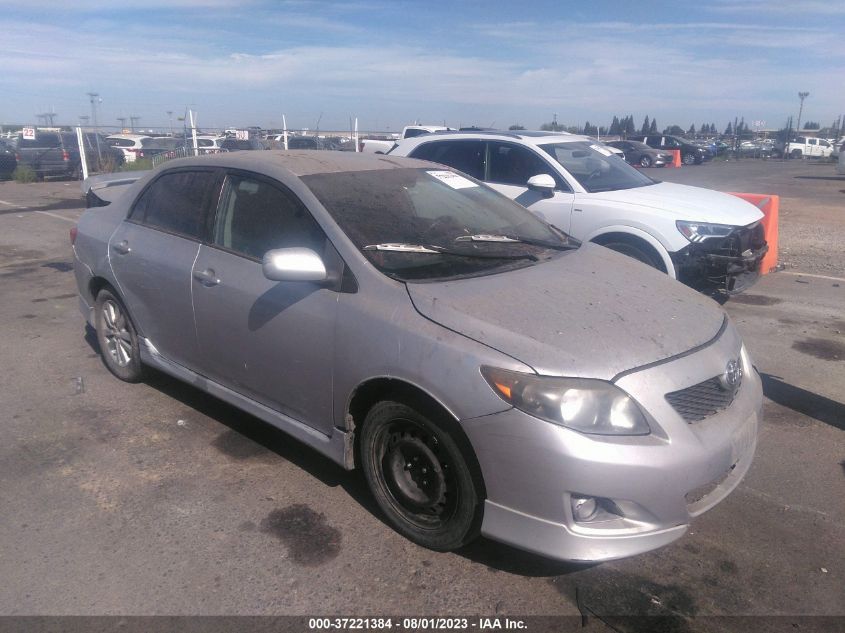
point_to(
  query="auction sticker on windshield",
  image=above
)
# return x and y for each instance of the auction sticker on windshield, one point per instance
(455, 181)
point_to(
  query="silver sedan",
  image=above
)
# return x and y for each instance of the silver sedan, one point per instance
(487, 373)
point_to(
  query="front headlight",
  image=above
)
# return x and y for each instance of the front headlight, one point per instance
(582, 404)
(699, 231)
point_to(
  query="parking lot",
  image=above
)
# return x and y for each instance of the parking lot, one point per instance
(158, 499)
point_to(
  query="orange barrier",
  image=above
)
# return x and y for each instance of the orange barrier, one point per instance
(676, 157)
(769, 205)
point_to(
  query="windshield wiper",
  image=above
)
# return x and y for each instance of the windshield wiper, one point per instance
(514, 240)
(432, 249)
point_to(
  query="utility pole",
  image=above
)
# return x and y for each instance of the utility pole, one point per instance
(132, 120)
(802, 96)
(170, 117)
(122, 120)
(83, 119)
(95, 99)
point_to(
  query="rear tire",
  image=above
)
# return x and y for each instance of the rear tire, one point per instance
(419, 477)
(117, 338)
(688, 159)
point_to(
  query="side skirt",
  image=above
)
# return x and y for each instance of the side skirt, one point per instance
(337, 446)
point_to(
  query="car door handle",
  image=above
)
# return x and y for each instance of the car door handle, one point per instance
(121, 247)
(206, 277)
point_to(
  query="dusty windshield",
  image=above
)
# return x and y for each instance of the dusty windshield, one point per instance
(420, 224)
(596, 168)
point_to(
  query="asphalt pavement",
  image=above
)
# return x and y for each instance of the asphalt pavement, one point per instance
(156, 499)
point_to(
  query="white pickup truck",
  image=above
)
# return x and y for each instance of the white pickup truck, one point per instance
(379, 146)
(802, 146)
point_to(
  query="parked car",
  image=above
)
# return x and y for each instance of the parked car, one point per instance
(486, 374)
(53, 153)
(840, 163)
(8, 160)
(208, 144)
(637, 153)
(383, 146)
(690, 154)
(238, 145)
(699, 236)
(304, 142)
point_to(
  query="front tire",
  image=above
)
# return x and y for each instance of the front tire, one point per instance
(419, 477)
(634, 252)
(645, 161)
(117, 338)
(796, 153)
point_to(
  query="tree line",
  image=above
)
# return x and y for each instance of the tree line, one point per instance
(627, 127)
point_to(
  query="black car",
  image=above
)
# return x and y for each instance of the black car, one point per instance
(304, 142)
(8, 160)
(53, 153)
(237, 145)
(638, 153)
(690, 154)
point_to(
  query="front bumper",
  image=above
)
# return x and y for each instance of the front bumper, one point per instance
(657, 483)
(731, 263)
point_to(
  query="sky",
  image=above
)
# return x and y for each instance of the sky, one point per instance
(391, 63)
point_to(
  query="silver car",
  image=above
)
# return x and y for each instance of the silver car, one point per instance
(487, 374)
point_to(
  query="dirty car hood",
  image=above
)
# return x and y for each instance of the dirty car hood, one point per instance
(589, 313)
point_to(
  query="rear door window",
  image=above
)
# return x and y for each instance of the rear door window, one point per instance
(511, 164)
(177, 202)
(464, 155)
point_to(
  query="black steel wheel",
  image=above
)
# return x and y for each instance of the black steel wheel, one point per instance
(117, 338)
(419, 477)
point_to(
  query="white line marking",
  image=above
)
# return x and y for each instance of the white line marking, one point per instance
(8, 204)
(60, 217)
(786, 272)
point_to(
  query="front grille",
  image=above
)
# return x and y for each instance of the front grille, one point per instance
(702, 400)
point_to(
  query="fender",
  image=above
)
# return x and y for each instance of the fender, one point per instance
(643, 235)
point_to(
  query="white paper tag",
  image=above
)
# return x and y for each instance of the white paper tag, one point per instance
(602, 150)
(455, 181)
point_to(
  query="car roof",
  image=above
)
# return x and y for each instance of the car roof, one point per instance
(132, 137)
(299, 162)
(532, 137)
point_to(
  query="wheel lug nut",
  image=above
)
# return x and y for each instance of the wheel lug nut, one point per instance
(424, 471)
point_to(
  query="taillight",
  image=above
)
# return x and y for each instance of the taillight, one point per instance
(65, 155)
(73, 232)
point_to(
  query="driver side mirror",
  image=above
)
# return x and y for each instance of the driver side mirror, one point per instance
(542, 183)
(294, 264)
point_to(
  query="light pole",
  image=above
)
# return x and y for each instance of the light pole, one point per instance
(802, 96)
(95, 99)
(170, 116)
